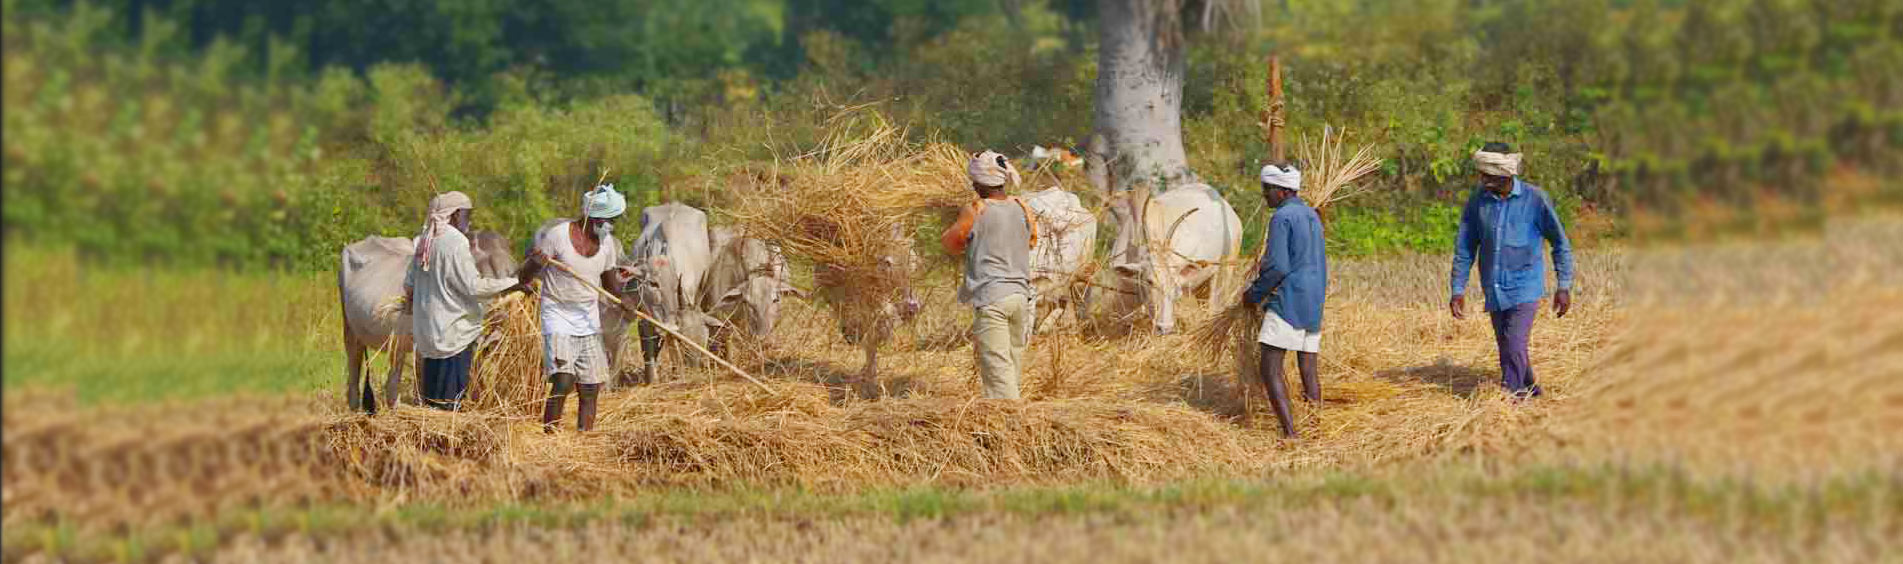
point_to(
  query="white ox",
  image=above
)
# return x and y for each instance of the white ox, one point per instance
(671, 258)
(747, 279)
(369, 285)
(1171, 243)
(1067, 235)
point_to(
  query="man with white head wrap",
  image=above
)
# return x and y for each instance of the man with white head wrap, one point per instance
(445, 290)
(1290, 285)
(996, 234)
(573, 354)
(1502, 225)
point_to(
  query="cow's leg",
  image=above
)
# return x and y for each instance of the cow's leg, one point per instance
(650, 350)
(868, 383)
(611, 340)
(353, 377)
(400, 354)
(1080, 296)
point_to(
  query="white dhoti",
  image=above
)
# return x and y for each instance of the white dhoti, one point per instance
(1279, 334)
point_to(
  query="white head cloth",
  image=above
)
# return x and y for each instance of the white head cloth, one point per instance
(604, 202)
(1284, 177)
(991, 169)
(1497, 164)
(441, 208)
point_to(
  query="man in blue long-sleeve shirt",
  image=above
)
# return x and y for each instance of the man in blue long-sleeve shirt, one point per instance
(1503, 224)
(1291, 284)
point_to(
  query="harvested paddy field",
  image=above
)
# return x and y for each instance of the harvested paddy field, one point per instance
(1723, 444)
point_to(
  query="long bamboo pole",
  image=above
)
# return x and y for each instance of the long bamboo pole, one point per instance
(658, 325)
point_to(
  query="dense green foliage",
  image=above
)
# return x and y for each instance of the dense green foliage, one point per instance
(213, 131)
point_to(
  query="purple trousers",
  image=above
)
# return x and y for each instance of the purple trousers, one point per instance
(1511, 328)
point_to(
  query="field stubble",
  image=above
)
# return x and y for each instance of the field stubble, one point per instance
(1694, 384)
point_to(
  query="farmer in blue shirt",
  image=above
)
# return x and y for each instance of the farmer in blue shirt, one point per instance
(1503, 224)
(1291, 284)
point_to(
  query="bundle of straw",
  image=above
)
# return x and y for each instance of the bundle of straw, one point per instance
(848, 207)
(507, 375)
(1327, 177)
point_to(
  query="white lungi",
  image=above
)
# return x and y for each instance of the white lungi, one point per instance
(1279, 334)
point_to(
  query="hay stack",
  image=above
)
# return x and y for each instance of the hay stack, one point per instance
(507, 376)
(1328, 177)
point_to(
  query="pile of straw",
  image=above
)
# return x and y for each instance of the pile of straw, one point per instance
(849, 207)
(506, 378)
(1327, 177)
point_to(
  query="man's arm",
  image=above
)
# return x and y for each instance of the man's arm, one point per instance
(1276, 263)
(959, 234)
(1466, 242)
(1555, 234)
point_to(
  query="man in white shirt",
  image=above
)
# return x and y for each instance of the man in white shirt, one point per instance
(574, 357)
(445, 288)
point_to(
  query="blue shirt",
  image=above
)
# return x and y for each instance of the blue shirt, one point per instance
(1506, 234)
(1295, 268)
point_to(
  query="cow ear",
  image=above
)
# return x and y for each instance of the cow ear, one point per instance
(1126, 270)
(731, 297)
(1189, 269)
(712, 322)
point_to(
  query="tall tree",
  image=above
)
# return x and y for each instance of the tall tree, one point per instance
(1139, 107)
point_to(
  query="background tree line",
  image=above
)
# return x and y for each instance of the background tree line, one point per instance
(217, 131)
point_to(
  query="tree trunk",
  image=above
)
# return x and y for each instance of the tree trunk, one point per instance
(1140, 66)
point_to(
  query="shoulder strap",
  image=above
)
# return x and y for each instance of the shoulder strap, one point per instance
(1030, 220)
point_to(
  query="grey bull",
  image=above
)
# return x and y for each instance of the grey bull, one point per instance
(370, 286)
(670, 258)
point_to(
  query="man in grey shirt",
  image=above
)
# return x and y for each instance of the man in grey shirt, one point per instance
(996, 234)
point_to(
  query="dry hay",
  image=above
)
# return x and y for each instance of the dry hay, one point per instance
(653, 438)
(506, 377)
(850, 208)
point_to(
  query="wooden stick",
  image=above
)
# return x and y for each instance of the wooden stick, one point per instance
(658, 325)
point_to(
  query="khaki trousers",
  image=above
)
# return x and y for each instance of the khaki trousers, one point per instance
(1000, 331)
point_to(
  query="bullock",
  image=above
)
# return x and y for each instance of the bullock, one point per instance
(1070, 235)
(369, 287)
(747, 279)
(670, 259)
(832, 286)
(1171, 243)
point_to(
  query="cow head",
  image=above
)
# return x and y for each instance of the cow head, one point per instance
(658, 289)
(766, 284)
(493, 258)
(1144, 258)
